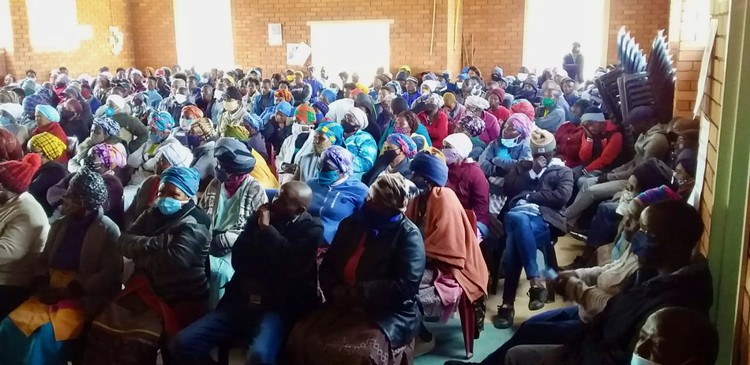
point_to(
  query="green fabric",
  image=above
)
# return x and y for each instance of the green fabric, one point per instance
(228, 209)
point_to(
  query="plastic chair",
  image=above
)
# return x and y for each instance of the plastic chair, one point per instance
(466, 307)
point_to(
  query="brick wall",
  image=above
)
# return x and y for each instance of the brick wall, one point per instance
(153, 30)
(496, 28)
(89, 56)
(643, 18)
(687, 48)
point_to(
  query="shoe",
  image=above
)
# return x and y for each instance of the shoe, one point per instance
(504, 317)
(422, 348)
(537, 298)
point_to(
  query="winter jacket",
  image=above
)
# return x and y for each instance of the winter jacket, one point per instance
(277, 265)
(258, 143)
(498, 160)
(652, 143)
(23, 233)
(363, 147)
(203, 160)
(437, 129)
(550, 119)
(421, 130)
(331, 204)
(501, 113)
(612, 336)
(472, 189)
(171, 251)
(477, 147)
(112, 208)
(46, 177)
(76, 128)
(569, 138)
(410, 98)
(387, 274)
(491, 128)
(307, 168)
(99, 272)
(131, 130)
(262, 102)
(550, 191)
(599, 152)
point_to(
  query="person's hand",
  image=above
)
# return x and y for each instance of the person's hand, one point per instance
(539, 164)
(602, 179)
(264, 217)
(559, 284)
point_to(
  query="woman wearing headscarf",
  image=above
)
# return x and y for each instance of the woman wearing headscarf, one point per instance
(478, 106)
(48, 120)
(336, 195)
(405, 122)
(370, 278)
(298, 144)
(132, 130)
(467, 180)
(495, 97)
(229, 200)
(398, 151)
(434, 119)
(383, 107)
(454, 110)
(71, 121)
(78, 272)
(51, 172)
(86, 115)
(364, 102)
(104, 130)
(472, 126)
(326, 135)
(279, 127)
(188, 116)
(457, 267)
(358, 142)
(523, 106)
(141, 107)
(10, 147)
(283, 95)
(169, 289)
(201, 140)
(103, 87)
(550, 115)
(254, 126)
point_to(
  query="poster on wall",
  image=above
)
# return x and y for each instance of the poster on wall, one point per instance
(700, 167)
(297, 53)
(705, 64)
(274, 34)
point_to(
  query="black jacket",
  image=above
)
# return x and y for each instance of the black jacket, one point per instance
(46, 177)
(278, 265)
(381, 165)
(387, 277)
(614, 332)
(171, 251)
(551, 191)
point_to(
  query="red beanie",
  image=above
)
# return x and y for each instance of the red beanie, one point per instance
(523, 106)
(500, 93)
(16, 175)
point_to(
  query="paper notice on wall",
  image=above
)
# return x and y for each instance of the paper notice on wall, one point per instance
(274, 34)
(297, 53)
(700, 168)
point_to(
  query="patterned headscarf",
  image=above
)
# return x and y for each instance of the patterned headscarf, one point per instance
(203, 128)
(390, 190)
(108, 125)
(162, 121)
(337, 158)
(252, 120)
(184, 178)
(237, 131)
(109, 155)
(333, 131)
(395, 86)
(521, 123)
(191, 112)
(406, 144)
(472, 124)
(45, 93)
(321, 106)
(49, 145)
(285, 94)
(473, 101)
(88, 187)
(305, 114)
(435, 99)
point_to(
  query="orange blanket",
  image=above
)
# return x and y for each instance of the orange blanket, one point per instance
(450, 239)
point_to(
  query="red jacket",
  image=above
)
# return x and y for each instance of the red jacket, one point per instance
(56, 130)
(611, 147)
(568, 138)
(501, 114)
(438, 129)
(472, 189)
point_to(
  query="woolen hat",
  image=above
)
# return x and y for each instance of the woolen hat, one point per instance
(593, 114)
(652, 173)
(542, 142)
(16, 175)
(233, 93)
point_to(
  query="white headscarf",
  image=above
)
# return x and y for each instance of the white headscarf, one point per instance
(177, 155)
(359, 116)
(461, 143)
(473, 101)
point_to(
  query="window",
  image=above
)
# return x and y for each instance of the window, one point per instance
(551, 27)
(200, 45)
(53, 25)
(350, 46)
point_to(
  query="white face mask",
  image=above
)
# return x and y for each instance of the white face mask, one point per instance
(179, 98)
(218, 94)
(522, 77)
(459, 84)
(638, 360)
(185, 124)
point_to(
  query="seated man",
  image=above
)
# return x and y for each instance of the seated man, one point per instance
(537, 204)
(274, 285)
(601, 143)
(669, 274)
(677, 335)
(652, 142)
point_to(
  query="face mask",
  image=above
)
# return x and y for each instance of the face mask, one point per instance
(509, 142)
(349, 128)
(193, 141)
(168, 206)
(186, 123)
(402, 130)
(231, 105)
(110, 111)
(390, 155)
(625, 199)
(548, 102)
(290, 78)
(459, 84)
(221, 175)
(642, 245)
(156, 138)
(67, 114)
(638, 360)
(451, 156)
(218, 94)
(4, 121)
(327, 178)
(179, 98)
(426, 93)
(299, 129)
(522, 77)
(496, 77)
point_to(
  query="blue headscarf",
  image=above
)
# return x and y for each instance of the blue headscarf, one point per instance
(45, 93)
(234, 156)
(48, 112)
(162, 121)
(431, 167)
(253, 121)
(330, 95)
(30, 102)
(285, 108)
(333, 131)
(321, 106)
(186, 179)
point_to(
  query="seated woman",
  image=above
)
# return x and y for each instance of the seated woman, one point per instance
(472, 126)
(399, 149)
(478, 106)
(254, 126)
(103, 159)
(434, 119)
(233, 109)
(280, 126)
(48, 120)
(454, 110)
(358, 142)
(370, 278)
(229, 200)
(189, 115)
(467, 180)
(10, 147)
(261, 172)
(104, 130)
(50, 149)
(456, 265)
(326, 135)
(496, 97)
(406, 123)
(78, 272)
(169, 289)
(537, 198)
(171, 155)
(298, 144)
(569, 135)
(202, 140)
(336, 194)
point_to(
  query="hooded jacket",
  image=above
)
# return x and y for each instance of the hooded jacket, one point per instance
(600, 152)
(569, 139)
(331, 204)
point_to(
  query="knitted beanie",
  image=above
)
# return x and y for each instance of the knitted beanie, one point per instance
(542, 142)
(16, 175)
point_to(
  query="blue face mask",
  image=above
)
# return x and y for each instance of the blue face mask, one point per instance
(4, 121)
(327, 178)
(110, 111)
(642, 245)
(509, 142)
(638, 360)
(168, 206)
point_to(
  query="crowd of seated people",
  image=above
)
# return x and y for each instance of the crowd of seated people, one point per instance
(165, 212)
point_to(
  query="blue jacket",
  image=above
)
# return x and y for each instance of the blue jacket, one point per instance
(554, 119)
(261, 103)
(410, 98)
(363, 147)
(334, 203)
(498, 160)
(316, 86)
(421, 130)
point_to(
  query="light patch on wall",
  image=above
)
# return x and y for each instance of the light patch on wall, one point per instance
(53, 25)
(199, 45)
(6, 27)
(360, 47)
